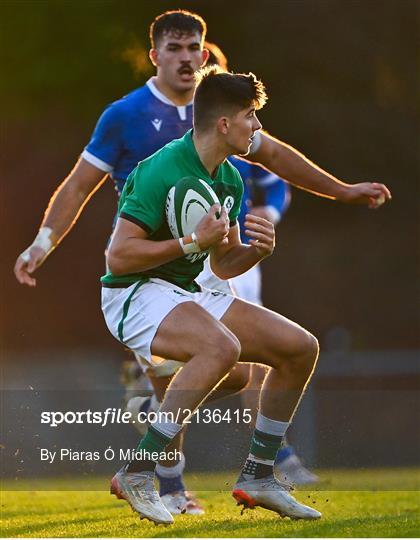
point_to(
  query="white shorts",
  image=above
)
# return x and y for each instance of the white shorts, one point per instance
(134, 314)
(209, 280)
(206, 279)
(248, 285)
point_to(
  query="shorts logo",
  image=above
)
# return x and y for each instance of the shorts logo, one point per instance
(228, 204)
(177, 292)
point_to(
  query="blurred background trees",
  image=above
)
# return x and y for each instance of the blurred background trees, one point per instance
(342, 79)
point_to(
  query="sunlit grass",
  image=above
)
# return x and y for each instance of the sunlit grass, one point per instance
(354, 503)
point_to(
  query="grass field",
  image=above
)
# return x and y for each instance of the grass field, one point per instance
(368, 503)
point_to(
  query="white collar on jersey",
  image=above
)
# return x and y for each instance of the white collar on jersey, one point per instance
(158, 94)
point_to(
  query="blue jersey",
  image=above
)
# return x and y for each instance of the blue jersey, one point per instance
(142, 122)
(133, 128)
(261, 188)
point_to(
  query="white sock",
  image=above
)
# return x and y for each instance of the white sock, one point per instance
(272, 427)
(169, 429)
(260, 460)
(171, 472)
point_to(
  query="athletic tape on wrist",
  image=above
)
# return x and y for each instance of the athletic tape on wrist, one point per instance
(273, 214)
(42, 240)
(190, 244)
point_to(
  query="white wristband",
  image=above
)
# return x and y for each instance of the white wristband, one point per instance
(273, 214)
(42, 240)
(190, 244)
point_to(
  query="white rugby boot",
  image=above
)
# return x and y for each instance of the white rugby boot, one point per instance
(138, 489)
(181, 502)
(292, 470)
(274, 495)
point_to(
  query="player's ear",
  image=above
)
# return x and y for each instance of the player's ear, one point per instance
(205, 56)
(153, 55)
(223, 125)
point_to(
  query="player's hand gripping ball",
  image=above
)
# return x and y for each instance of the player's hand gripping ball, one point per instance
(188, 201)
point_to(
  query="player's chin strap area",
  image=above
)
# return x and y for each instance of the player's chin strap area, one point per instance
(42, 241)
(190, 244)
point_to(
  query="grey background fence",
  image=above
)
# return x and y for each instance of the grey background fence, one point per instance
(361, 410)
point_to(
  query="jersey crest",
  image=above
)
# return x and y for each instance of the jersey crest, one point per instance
(228, 203)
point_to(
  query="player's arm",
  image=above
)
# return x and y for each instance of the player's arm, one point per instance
(234, 258)
(131, 250)
(68, 201)
(286, 162)
(276, 197)
(64, 208)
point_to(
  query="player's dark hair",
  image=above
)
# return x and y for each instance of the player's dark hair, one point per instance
(216, 56)
(179, 22)
(219, 93)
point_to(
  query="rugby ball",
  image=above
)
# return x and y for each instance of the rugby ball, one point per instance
(188, 201)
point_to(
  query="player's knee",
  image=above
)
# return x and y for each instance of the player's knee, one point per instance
(229, 350)
(312, 350)
(224, 351)
(307, 353)
(300, 357)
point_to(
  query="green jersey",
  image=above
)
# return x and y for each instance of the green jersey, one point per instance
(143, 202)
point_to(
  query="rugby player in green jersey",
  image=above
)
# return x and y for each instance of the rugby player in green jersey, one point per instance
(72, 195)
(176, 50)
(152, 304)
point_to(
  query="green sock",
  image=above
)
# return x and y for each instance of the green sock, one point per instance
(153, 442)
(265, 445)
